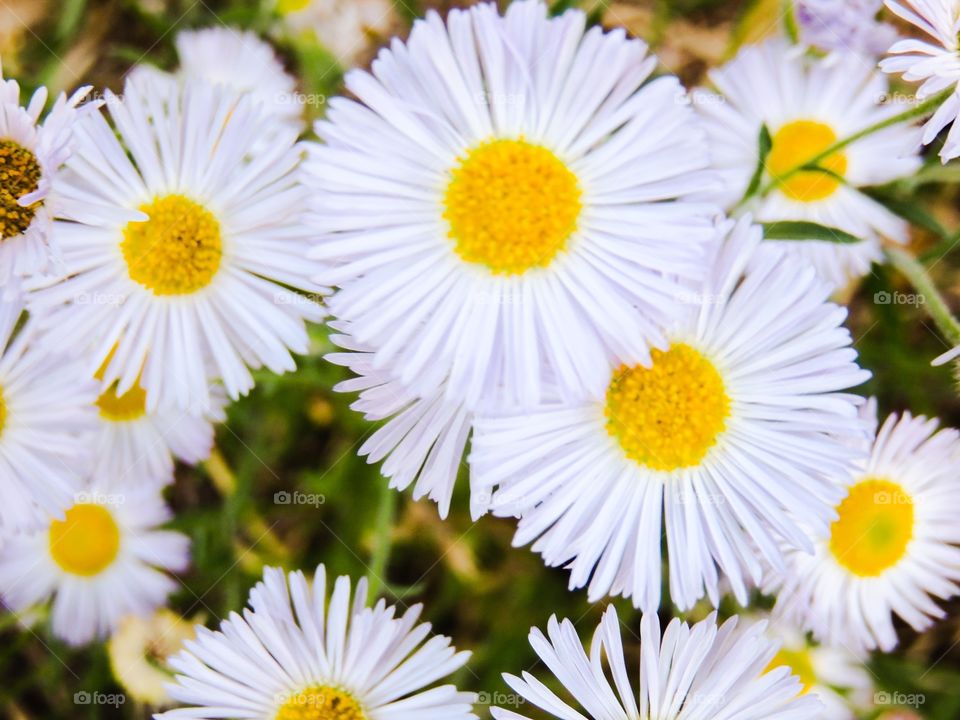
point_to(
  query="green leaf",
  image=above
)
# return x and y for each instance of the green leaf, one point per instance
(910, 211)
(764, 145)
(804, 230)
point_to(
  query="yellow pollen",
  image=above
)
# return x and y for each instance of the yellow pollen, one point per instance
(177, 251)
(19, 176)
(3, 412)
(799, 663)
(286, 7)
(86, 541)
(132, 405)
(669, 415)
(511, 206)
(321, 702)
(874, 528)
(797, 143)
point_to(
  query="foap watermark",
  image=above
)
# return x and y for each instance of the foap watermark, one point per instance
(485, 97)
(299, 98)
(94, 497)
(899, 699)
(296, 497)
(899, 298)
(897, 99)
(83, 697)
(700, 299)
(702, 98)
(295, 298)
(889, 497)
(501, 699)
(100, 298)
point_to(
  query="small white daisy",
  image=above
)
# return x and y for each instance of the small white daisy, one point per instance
(703, 672)
(46, 422)
(31, 155)
(837, 676)
(936, 65)
(104, 560)
(848, 26)
(423, 440)
(240, 60)
(720, 444)
(344, 27)
(182, 244)
(893, 547)
(504, 196)
(807, 104)
(131, 442)
(293, 656)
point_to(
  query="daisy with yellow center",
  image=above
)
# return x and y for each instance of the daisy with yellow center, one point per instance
(510, 233)
(295, 656)
(720, 441)
(835, 675)
(808, 104)
(179, 263)
(132, 442)
(893, 547)
(47, 420)
(105, 558)
(31, 156)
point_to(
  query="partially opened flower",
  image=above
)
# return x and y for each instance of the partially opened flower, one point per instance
(346, 28)
(47, 420)
(183, 244)
(936, 64)
(836, 675)
(503, 197)
(132, 443)
(807, 105)
(893, 549)
(721, 444)
(240, 60)
(294, 656)
(31, 155)
(703, 672)
(106, 558)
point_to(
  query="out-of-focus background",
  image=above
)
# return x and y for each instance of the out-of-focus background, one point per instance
(285, 487)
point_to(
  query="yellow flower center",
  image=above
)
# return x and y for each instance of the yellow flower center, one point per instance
(874, 528)
(797, 143)
(177, 251)
(19, 175)
(800, 665)
(511, 206)
(669, 415)
(86, 541)
(321, 702)
(286, 7)
(132, 405)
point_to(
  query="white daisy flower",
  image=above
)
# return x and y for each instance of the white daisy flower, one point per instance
(423, 440)
(703, 672)
(292, 656)
(848, 26)
(31, 156)
(131, 442)
(503, 198)
(344, 27)
(104, 560)
(936, 65)
(837, 676)
(46, 423)
(242, 61)
(807, 104)
(721, 443)
(182, 244)
(893, 547)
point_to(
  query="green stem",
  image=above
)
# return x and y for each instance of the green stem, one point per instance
(934, 303)
(919, 110)
(383, 540)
